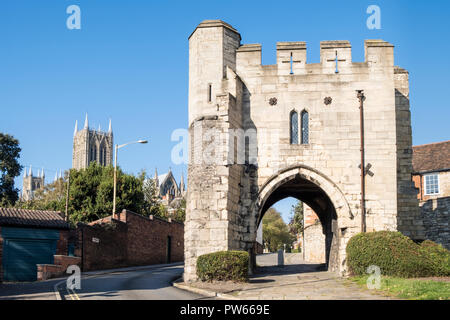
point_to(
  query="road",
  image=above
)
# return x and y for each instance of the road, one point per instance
(148, 283)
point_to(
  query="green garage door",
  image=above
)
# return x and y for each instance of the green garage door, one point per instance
(24, 248)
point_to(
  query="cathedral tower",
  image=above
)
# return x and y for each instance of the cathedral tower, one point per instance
(91, 145)
(32, 183)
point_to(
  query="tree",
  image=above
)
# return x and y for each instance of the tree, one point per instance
(91, 194)
(9, 169)
(296, 221)
(275, 231)
(151, 199)
(51, 197)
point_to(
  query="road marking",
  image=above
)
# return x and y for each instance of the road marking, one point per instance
(73, 295)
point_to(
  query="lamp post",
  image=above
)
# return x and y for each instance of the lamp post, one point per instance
(115, 168)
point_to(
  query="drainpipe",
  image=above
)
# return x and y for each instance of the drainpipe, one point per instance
(66, 217)
(361, 98)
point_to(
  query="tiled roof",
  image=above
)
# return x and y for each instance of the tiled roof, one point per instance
(431, 157)
(32, 218)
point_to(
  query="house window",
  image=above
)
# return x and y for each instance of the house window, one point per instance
(294, 127)
(432, 184)
(305, 127)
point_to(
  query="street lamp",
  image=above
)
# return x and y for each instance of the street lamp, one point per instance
(115, 169)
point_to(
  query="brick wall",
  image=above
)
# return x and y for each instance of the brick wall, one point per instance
(148, 239)
(128, 239)
(1, 255)
(102, 246)
(62, 244)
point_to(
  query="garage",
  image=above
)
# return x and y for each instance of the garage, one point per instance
(28, 238)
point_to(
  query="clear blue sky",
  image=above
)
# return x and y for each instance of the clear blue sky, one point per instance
(129, 62)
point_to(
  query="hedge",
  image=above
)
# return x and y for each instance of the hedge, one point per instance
(223, 266)
(396, 255)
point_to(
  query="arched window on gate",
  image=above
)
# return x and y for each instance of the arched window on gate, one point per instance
(305, 127)
(294, 127)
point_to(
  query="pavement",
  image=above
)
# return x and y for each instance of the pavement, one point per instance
(137, 283)
(296, 280)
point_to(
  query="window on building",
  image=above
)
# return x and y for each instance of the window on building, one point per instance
(101, 156)
(104, 156)
(305, 127)
(432, 184)
(294, 127)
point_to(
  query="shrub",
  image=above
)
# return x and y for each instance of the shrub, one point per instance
(439, 255)
(396, 255)
(223, 265)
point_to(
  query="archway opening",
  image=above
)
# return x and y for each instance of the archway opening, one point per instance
(319, 241)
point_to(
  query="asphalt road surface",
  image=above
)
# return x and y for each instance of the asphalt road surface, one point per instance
(148, 283)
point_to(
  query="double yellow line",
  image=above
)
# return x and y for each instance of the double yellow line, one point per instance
(72, 294)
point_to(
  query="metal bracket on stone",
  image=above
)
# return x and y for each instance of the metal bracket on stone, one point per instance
(367, 170)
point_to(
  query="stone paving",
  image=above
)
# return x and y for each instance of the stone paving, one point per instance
(297, 280)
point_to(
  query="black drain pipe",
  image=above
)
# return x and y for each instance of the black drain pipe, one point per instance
(361, 98)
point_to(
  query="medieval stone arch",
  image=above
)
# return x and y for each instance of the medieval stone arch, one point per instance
(226, 199)
(319, 192)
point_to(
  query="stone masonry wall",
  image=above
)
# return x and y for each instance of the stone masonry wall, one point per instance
(436, 217)
(408, 216)
(313, 237)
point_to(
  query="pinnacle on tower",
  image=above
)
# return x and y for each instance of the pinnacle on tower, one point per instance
(110, 127)
(30, 173)
(86, 122)
(76, 128)
(156, 178)
(99, 128)
(56, 176)
(42, 173)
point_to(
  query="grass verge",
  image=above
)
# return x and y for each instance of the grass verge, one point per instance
(412, 289)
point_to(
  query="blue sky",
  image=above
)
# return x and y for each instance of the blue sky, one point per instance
(129, 62)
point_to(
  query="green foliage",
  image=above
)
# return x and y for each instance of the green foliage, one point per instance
(91, 194)
(180, 214)
(51, 197)
(9, 169)
(439, 255)
(296, 223)
(413, 289)
(151, 200)
(223, 266)
(396, 255)
(275, 232)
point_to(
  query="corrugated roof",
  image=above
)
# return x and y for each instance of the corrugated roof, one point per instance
(32, 218)
(431, 157)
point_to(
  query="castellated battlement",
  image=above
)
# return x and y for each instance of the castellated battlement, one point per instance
(335, 57)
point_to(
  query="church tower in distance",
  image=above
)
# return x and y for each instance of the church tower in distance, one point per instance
(91, 145)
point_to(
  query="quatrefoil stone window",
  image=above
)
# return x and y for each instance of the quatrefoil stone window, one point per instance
(273, 101)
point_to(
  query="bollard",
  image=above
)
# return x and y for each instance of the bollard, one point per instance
(280, 258)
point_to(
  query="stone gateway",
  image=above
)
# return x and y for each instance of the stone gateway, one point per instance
(261, 133)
